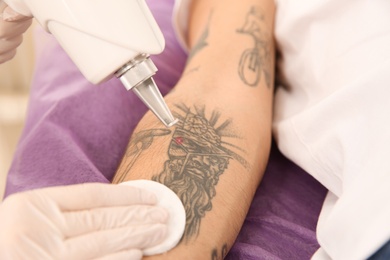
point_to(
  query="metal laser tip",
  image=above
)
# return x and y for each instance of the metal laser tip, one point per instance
(137, 76)
(148, 92)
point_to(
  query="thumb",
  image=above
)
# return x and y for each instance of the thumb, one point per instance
(10, 15)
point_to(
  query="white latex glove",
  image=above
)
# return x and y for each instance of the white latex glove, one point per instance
(12, 27)
(88, 221)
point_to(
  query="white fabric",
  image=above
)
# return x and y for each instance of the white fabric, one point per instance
(332, 118)
(332, 113)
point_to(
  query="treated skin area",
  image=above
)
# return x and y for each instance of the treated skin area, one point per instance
(197, 158)
(214, 158)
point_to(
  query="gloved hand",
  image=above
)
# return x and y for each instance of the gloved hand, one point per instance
(88, 221)
(12, 27)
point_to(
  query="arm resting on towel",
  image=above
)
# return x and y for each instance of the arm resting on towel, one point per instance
(214, 158)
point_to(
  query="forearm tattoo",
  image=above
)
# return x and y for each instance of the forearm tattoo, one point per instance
(215, 255)
(202, 42)
(256, 61)
(198, 156)
(139, 143)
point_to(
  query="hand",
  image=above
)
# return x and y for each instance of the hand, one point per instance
(12, 27)
(87, 221)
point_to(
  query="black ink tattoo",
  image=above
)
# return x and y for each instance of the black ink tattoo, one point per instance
(202, 42)
(216, 256)
(257, 60)
(190, 71)
(197, 158)
(139, 143)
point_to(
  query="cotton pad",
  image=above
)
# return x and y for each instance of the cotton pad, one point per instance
(177, 215)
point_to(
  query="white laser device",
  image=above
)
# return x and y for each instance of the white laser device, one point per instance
(106, 38)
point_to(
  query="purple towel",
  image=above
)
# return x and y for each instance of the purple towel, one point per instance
(76, 132)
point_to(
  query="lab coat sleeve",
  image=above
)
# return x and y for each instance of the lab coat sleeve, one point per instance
(331, 114)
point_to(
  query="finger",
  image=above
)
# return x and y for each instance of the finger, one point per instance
(2, 7)
(11, 29)
(10, 15)
(83, 222)
(133, 254)
(19, 6)
(7, 56)
(112, 241)
(94, 195)
(9, 45)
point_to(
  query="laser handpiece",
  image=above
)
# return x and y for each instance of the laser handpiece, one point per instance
(104, 39)
(137, 76)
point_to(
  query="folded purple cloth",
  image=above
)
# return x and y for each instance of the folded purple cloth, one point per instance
(76, 132)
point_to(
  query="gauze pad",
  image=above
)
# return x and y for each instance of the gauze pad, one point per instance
(177, 215)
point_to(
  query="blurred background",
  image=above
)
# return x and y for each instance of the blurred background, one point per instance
(15, 77)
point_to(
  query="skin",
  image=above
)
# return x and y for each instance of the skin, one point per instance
(215, 157)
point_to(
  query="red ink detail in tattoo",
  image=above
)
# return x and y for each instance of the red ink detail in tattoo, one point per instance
(179, 140)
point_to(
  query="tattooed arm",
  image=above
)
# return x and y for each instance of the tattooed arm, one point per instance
(214, 158)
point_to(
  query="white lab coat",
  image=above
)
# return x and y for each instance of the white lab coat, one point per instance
(332, 114)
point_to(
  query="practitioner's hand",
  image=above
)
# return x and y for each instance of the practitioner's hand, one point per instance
(87, 221)
(12, 27)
